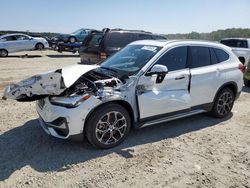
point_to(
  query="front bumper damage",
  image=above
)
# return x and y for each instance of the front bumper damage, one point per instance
(54, 91)
(64, 122)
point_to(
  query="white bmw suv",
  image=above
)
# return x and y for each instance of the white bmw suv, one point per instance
(146, 83)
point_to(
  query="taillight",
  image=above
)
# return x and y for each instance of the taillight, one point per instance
(103, 55)
(242, 68)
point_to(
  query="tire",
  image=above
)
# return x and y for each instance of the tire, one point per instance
(72, 39)
(3, 53)
(39, 46)
(223, 103)
(247, 82)
(101, 129)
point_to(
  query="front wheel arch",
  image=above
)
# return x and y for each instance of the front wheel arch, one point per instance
(91, 124)
(37, 44)
(122, 103)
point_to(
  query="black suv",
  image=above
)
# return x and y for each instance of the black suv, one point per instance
(98, 45)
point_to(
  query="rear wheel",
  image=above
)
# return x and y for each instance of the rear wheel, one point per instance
(223, 104)
(3, 53)
(39, 46)
(247, 82)
(108, 126)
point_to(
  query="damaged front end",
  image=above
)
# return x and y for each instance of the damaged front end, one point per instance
(66, 87)
(36, 87)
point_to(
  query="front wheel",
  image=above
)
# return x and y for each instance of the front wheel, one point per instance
(223, 104)
(108, 126)
(39, 46)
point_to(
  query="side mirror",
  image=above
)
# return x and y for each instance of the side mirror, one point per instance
(30, 38)
(160, 71)
(157, 69)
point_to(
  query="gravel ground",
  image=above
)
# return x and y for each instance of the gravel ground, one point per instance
(198, 151)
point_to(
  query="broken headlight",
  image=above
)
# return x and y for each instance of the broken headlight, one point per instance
(69, 102)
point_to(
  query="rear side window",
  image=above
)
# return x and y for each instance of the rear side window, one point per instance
(119, 39)
(95, 40)
(144, 37)
(174, 59)
(221, 55)
(159, 37)
(235, 43)
(200, 56)
(9, 38)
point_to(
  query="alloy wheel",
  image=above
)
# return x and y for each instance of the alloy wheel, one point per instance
(111, 128)
(225, 103)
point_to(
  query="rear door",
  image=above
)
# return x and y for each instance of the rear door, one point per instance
(11, 44)
(171, 95)
(206, 75)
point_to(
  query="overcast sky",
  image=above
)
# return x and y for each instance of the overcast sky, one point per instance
(161, 16)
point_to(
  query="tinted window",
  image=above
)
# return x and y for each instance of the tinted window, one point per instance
(119, 39)
(221, 55)
(95, 40)
(144, 37)
(200, 56)
(235, 43)
(174, 59)
(159, 37)
(21, 37)
(213, 56)
(9, 38)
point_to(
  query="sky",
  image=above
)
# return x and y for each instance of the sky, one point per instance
(159, 16)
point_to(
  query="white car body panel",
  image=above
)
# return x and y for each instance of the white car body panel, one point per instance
(168, 96)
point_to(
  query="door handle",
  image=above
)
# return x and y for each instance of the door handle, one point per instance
(180, 77)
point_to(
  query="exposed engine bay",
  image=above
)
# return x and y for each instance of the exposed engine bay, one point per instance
(93, 82)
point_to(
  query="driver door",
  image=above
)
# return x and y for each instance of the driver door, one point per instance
(169, 95)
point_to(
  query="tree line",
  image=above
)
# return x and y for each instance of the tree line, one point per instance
(214, 35)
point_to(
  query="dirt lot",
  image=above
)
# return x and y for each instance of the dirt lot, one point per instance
(194, 152)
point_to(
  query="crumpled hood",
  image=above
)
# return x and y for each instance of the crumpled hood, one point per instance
(72, 73)
(50, 83)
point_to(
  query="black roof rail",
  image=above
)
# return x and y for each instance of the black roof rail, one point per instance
(119, 29)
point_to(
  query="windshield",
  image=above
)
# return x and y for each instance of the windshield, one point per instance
(130, 59)
(76, 32)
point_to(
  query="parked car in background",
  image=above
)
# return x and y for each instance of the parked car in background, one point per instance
(20, 42)
(241, 47)
(99, 45)
(77, 36)
(147, 82)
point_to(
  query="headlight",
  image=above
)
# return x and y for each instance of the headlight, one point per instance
(69, 102)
